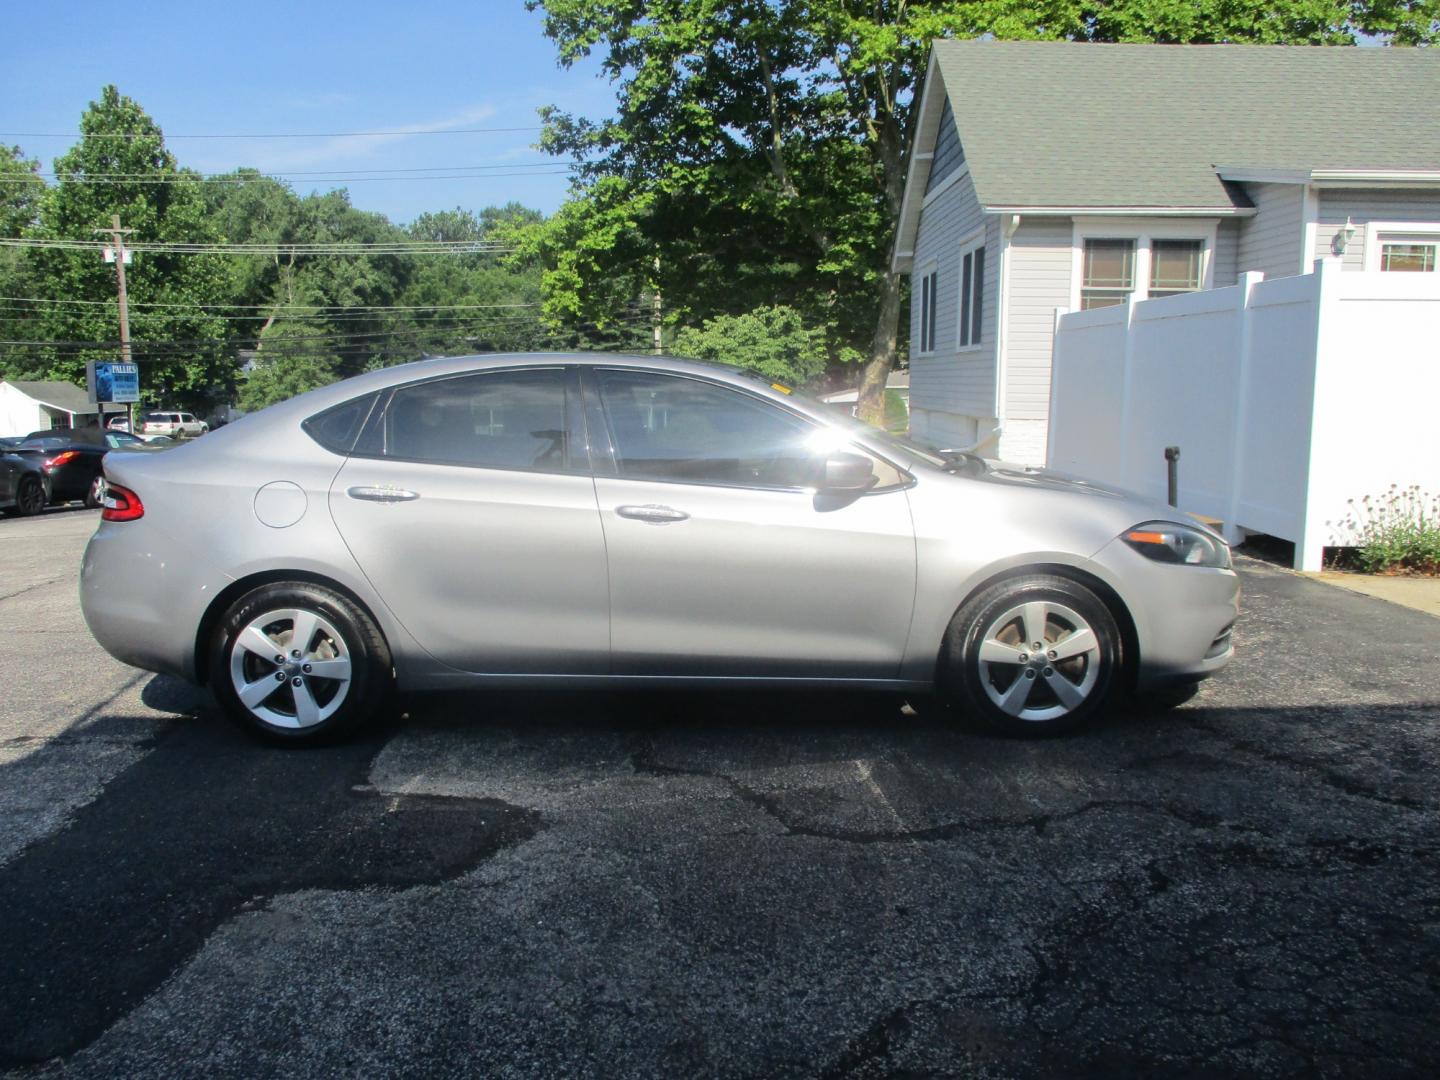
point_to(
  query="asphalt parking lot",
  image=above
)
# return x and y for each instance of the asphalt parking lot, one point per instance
(737, 885)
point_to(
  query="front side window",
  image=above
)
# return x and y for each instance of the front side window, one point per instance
(1175, 266)
(1109, 273)
(667, 427)
(1409, 257)
(492, 419)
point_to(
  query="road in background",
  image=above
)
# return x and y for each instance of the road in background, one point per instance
(724, 884)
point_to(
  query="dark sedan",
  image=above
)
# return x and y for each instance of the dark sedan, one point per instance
(70, 460)
(24, 488)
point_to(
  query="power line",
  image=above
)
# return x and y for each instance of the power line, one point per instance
(276, 135)
(288, 310)
(383, 247)
(277, 173)
(240, 181)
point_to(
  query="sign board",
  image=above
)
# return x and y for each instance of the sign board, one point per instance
(112, 382)
(108, 254)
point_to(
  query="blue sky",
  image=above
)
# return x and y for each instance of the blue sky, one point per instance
(259, 67)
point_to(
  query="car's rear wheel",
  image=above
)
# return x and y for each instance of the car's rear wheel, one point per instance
(298, 663)
(96, 493)
(1036, 655)
(30, 499)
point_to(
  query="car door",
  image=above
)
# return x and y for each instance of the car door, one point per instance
(469, 506)
(722, 561)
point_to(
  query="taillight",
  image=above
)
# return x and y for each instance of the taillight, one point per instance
(120, 504)
(61, 458)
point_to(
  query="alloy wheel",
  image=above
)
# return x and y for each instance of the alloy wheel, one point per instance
(1039, 660)
(291, 668)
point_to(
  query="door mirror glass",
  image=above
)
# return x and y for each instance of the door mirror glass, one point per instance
(844, 471)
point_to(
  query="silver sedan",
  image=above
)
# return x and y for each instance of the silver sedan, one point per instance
(606, 520)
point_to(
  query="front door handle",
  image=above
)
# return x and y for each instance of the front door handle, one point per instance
(384, 494)
(653, 513)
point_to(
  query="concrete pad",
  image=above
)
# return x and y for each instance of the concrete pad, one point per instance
(1420, 593)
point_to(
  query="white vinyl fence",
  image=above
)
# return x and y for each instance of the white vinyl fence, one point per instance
(1287, 398)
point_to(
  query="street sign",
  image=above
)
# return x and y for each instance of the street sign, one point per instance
(112, 382)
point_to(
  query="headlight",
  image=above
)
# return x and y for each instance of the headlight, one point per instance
(1169, 541)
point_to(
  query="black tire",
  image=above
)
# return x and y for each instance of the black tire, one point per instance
(994, 689)
(95, 493)
(322, 709)
(30, 497)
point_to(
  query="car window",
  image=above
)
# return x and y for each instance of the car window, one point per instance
(338, 427)
(668, 427)
(493, 419)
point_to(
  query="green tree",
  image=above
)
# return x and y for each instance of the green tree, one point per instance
(121, 166)
(762, 147)
(773, 341)
(290, 361)
(21, 190)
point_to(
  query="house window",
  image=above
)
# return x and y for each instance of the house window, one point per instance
(928, 284)
(1109, 272)
(972, 295)
(1409, 257)
(1175, 266)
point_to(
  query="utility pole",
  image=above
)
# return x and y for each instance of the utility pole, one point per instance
(657, 313)
(118, 253)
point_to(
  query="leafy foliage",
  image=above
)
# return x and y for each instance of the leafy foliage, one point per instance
(1399, 530)
(289, 363)
(773, 341)
(140, 185)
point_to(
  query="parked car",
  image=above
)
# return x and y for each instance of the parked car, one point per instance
(71, 460)
(118, 422)
(24, 487)
(493, 521)
(180, 425)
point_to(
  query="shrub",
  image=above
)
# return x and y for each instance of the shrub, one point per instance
(897, 416)
(1400, 529)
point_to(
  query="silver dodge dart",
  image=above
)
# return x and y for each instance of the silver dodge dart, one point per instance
(618, 521)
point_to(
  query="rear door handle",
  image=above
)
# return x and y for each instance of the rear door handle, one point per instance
(384, 494)
(653, 513)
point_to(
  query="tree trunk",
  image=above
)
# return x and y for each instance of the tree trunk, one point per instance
(871, 404)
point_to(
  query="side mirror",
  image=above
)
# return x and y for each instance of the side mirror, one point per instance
(843, 471)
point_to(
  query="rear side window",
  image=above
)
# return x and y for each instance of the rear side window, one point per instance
(491, 419)
(339, 426)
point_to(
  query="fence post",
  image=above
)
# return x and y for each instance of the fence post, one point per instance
(1310, 546)
(1126, 362)
(1243, 350)
(1051, 426)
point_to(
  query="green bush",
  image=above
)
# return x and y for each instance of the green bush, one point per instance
(897, 416)
(1400, 529)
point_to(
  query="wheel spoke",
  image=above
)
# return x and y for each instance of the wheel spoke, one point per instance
(305, 623)
(1035, 615)
(253, 639)
(255, 693)
(1081, 641)
(1069, 694)
(1014, 699)
(306, 711)
(997, 652)
(338, 668)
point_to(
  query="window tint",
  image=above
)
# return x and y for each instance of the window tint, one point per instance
(495, 419)
(671, 428)
(338, 426)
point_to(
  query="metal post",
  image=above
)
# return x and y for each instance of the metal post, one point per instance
(1172, 469)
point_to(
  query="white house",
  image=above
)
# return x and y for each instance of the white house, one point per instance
(1053, 175)
(32, 406)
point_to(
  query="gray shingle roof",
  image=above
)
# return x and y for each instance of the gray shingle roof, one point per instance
(59, 395)
(1065, 124)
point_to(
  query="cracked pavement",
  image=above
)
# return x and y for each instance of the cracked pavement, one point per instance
(788, 885)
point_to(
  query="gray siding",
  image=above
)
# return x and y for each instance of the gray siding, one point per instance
(1362, 207)
(1041, 264)
(949, 381)
(1271, 240)
(1227, 252)
(949, 154)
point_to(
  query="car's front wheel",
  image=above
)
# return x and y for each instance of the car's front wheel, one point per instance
(298, 663)
(95, 495)
(1036, 655)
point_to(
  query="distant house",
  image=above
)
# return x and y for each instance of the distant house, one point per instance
(31, 406)
(1052, 175)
